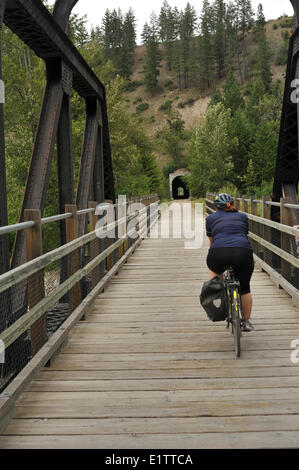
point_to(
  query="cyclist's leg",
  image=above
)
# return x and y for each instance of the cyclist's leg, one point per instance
(215, 263)
(244, 267)
(246, 300)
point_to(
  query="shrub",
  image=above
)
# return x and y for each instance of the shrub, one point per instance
(282, 57)
(166, 106)
(142, 107)
(137, 100)
(285, 35)
(190, 102)
(275, 26)
(170, 85)
(287, 23)
(133, 85)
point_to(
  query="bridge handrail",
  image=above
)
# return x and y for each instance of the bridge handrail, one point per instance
(20, 273)
(9, 335)
(263, 232)
(47, 220)
(14, 389)
(270, 223)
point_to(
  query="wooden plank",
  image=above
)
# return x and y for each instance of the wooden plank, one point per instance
(281, 370)
(152, 408)
(246, 440)
(156, 397)
(160, 384)
(174, 426)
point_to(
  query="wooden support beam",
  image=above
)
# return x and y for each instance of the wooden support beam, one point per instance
(36, 289)
(73, 261)
(94, 245)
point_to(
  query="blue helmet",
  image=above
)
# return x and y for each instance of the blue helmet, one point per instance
(223, 200)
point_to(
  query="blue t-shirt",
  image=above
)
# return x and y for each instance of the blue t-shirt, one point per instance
(228, 229)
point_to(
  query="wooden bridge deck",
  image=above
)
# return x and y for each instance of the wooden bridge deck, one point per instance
(148, 370)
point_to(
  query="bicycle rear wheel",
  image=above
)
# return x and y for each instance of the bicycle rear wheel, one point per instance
(236, 323)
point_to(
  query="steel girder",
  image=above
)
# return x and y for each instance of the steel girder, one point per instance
(287, 167)
(66, 69)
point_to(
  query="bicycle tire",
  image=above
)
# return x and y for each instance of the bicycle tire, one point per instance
(236, 324)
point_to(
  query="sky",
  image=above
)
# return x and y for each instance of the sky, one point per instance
(95, 9)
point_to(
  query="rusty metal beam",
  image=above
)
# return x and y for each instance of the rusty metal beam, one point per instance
(33, 23)
(85, 180)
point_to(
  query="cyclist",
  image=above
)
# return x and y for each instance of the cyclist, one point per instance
(227, 230)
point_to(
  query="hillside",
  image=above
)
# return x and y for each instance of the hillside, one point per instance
(193, 112)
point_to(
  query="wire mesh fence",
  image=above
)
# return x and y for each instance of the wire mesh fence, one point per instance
(42, 294)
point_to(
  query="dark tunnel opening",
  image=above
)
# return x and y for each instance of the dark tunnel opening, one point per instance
(179, 189)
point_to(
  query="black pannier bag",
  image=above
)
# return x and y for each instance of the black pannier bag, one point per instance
(214, 300)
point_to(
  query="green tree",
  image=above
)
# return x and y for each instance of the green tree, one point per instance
(128, 44)
(167, 32)
(263, 153)
(245, 21)
(232, 96)
(152, 58)
(262, 54)
(187, 27)
(219, 27)
(206, 56)
(173, 137)
(210, 152)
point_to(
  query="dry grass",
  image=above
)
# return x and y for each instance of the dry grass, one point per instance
(155, 119)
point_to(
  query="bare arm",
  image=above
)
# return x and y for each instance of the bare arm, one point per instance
(211, 240)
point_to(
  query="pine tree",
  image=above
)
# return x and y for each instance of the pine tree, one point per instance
(245, 21)
(232, 96)
(219, 26)
(262, 55)
(167, 32)
(128, 44)
(206, 46)
(187, 27)
(112, 30)
(152, 57)
(146, 32)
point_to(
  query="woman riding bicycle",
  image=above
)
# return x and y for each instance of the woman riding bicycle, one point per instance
(227, 230)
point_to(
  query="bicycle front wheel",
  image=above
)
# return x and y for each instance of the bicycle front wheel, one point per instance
(236, 324)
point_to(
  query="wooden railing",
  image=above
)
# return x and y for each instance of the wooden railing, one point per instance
(30, 277)
(275, 244)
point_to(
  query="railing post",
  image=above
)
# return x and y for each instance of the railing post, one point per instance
(110, 220)
(36, 288)
(245, 204)
(94, 245)
(285, 218)
(254, 225)
(126, 244)
(73, 260)
(267, 230)
(237, 202)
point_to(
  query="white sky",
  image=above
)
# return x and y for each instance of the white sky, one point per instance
(95, 9)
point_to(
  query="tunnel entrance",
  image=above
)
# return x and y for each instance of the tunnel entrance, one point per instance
(179, 189)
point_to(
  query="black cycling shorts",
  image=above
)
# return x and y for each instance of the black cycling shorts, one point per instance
(241, 259)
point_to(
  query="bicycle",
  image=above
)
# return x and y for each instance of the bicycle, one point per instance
(234, 317)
